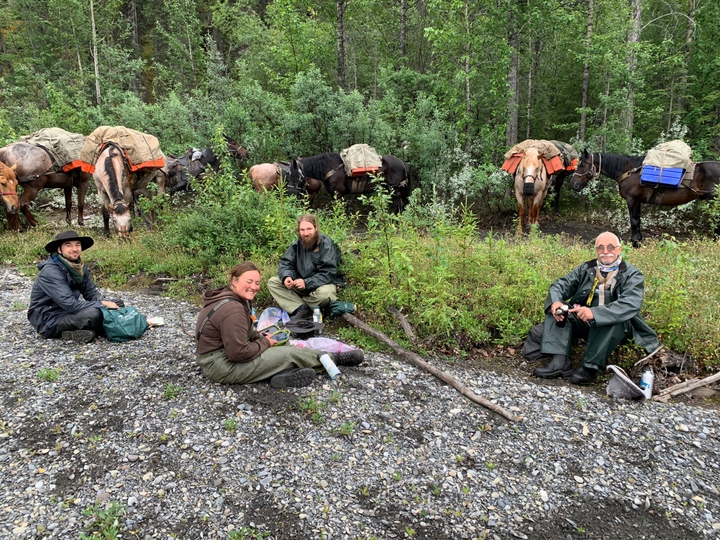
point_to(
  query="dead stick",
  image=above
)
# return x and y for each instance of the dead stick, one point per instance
(182, 325)
(693, 386)
(649, 356)
(676, 386)
(419, 362)
(403, 322)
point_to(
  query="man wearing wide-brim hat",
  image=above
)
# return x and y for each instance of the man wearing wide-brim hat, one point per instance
(56, 310)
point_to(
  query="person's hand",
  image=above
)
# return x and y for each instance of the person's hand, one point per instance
(300, 284)
(553, 308)
(583, 313)
(109, 305)
(271, 341)
(289, 282)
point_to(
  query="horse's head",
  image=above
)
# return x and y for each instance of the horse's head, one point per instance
(586, 170)
(529, 171)
(235, 149)
(296, 176)
(121, 218)
(8, 187)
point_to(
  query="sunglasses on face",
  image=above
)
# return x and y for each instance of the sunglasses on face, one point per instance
(609, 248)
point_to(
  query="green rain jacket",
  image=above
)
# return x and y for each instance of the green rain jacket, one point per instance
(622, 303)
(317, 266)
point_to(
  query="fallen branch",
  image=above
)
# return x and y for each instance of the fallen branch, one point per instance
(419, 362)
(182, 325)
(685, 387)
(648, 357)
(403, 322)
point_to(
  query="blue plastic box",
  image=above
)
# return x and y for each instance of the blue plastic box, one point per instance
(669, 177)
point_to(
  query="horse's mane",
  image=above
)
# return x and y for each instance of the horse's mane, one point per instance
(616, 164)
(112, 177)
(317, 166)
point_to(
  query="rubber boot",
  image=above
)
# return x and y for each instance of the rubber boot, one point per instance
(559, 366)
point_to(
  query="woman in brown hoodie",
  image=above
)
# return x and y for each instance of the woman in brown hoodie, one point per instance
(230, 351)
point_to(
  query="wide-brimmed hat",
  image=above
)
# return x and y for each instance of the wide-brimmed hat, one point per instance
(304, 329)
(68, 236)
(620, 385)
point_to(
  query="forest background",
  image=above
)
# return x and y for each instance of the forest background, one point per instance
(446, 85)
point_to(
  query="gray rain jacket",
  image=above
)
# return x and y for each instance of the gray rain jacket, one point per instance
(317, 267)
(55, 294)
(622, 303)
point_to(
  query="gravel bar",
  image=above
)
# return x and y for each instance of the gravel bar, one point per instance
(387, 451)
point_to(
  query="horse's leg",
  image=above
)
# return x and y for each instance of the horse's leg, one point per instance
(557, 185)
(521, 212)
(106, 221)
(634, 209)
(81, 191)
(28, 196)
(13, 221)
(68, 205)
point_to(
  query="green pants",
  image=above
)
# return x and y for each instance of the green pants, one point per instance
(601, 340)
(290, 299)
(218, 368)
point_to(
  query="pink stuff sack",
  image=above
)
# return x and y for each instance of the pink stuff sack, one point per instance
(322, 344)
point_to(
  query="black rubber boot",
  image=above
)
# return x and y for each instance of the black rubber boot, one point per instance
(293, 378)
(303, 313)
(349, 358)
(583, 376)
(559, 366)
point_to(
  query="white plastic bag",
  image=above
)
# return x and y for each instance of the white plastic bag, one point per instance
(272, 316)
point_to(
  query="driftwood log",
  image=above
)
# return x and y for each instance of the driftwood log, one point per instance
(419, 362)
(684, 387)
(404, 323)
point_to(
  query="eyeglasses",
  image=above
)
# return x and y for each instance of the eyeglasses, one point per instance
(610, 248)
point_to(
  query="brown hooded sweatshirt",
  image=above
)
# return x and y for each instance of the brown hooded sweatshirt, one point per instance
(229, 328)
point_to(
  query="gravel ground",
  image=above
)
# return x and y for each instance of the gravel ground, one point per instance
(135, 434)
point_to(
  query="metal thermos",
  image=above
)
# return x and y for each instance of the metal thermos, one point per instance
(330, 366)
(646, 383)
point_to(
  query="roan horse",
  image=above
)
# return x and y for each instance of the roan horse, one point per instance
(267, 177)
(195, 163)
(531, 187)
(626, 171)
(329, 168)
(35, 171)
(8, 187)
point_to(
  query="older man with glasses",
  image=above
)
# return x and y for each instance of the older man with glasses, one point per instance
(600, 301)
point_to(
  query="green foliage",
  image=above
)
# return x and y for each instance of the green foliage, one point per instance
(247, 533)
(49, 374)
(172, 391)
(230, 424)
(105, 521)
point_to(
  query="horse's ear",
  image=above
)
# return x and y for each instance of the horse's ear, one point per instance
(13, 167)
(585, 153)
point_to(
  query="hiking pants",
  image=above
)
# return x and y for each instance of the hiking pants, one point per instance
(86, 319)
(218, 368)
(291, 299)
(601, 340)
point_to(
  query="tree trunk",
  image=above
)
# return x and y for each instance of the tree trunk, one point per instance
(586, 71)
(531, 72)
(632, 41)
(341, 42)
(468, 109)
(511, 131)
(403, 26)
(95, 54)
(689, 38)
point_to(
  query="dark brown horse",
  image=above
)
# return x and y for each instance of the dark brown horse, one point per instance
(36, 170)
(235, 149)
(626, 171)
(267, 176)
(329, 168)
(8, 189)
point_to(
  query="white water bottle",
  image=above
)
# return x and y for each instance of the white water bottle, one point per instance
(330, 366)
(317, 315)
(646, 383)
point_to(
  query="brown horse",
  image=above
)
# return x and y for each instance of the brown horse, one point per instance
(36, 170)
(329, 168)
(267, 176)
(626, 170)
(235, 149)
(8, 187)
(531, 187)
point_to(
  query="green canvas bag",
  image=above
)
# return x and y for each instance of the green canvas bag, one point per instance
(123, 324)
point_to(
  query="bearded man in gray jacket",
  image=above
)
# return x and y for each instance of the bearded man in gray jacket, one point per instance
(600, 300)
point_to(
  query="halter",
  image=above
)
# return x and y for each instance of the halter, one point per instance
(3, 193)
(592, 173)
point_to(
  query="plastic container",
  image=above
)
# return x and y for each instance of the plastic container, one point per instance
(646, 383)
(317, 315)
(330, 366)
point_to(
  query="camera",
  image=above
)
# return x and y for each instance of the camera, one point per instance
(562, 311)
